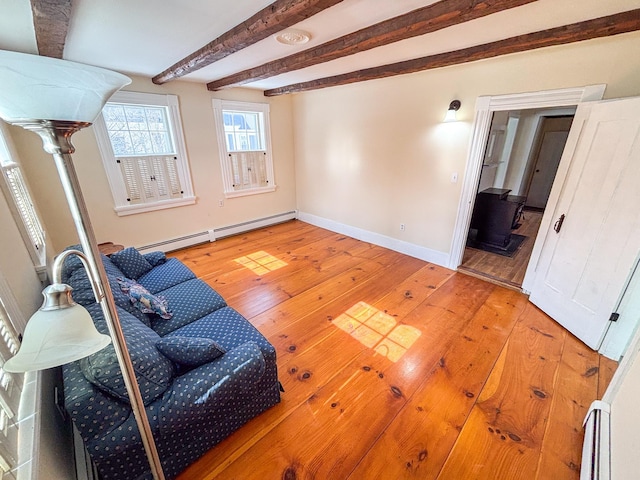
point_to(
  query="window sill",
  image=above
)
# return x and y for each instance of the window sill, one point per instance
(143, 208)
(249, 191)
(41, 270)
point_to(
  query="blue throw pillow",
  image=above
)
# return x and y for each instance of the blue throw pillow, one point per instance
(131, 262)
(143, 300)
(190, 351)
(155, 258)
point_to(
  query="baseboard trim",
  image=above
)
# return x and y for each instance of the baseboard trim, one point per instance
(179, 242)
(413, 250)
(215, 233)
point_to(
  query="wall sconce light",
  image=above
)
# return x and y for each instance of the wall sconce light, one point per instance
(56, 98)
(454, 106)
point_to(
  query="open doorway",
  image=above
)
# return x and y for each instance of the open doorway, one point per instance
(521, 157)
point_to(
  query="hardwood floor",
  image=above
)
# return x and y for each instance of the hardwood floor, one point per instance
(507, 270)
(451, 378)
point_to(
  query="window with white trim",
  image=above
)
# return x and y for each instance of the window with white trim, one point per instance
(11, 386)
(19, 200)
(244, 141)
(142, 146)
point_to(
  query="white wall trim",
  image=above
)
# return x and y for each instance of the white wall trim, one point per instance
(30, 423)
(485, 106)
(411, 249)
(162, 204)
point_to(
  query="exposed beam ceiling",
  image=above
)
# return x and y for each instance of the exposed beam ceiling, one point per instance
(51, 24)
(351, 40)
(600, 27)
(418, 22)
(279, 15)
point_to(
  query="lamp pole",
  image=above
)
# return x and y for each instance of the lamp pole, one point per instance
(56, 139)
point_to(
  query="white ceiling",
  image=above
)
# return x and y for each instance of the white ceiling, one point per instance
(145, 37)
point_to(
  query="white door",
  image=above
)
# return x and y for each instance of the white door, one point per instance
(586, 258)
(548, 152)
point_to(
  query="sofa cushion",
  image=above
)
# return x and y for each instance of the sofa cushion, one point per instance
(154, 371)
(111, 267)
(155, 258)
(79, 280)
(166, 275)
(197, 397)
(190, 351)
(189, 301)
(143, 300)
(75, 274)
(228, 328)
(132, 263)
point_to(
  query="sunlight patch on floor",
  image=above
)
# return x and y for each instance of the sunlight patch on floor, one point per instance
(261, 262)
(377, 330)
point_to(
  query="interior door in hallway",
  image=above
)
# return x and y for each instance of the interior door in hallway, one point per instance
(592, 239)
(552, 138)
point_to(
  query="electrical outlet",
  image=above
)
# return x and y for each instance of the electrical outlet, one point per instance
(221, 203)
(402, 227)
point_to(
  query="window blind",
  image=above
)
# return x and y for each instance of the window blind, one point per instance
(150, 178)
(249, 169)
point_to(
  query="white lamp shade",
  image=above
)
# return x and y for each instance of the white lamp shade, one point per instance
(56, 337)
(34, 87)
(450, 116)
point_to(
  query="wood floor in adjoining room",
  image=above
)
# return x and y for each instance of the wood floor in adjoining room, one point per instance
(449, 378)
(508, 270)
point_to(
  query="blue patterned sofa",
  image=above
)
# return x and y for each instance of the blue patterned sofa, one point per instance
(203, 373)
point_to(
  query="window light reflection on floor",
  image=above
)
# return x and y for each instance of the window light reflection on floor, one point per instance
(378, 330)
(261, 262)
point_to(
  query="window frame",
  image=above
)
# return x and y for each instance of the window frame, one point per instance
(112, 167)
(35, 241)
(219, 106)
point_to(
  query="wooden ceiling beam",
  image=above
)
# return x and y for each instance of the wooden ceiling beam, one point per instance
(600, 27)
(279, 15)
(442, 14)
(51, 24)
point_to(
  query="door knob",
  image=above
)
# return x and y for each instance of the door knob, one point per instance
(558, 225)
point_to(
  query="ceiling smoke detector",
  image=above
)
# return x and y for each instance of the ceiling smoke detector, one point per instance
(293, 37)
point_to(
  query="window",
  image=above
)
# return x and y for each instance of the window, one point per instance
(142, 146)
(245, 147)
(19, 200)
(11, 386)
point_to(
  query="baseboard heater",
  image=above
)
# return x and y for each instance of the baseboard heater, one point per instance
(221, 232)
(596, 449)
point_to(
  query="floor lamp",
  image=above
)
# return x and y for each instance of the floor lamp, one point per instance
(56, 98)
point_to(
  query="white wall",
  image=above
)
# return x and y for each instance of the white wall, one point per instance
(202, 149)
(625, 425)
(376, 154)
(16, 264)
(624, 390)
(55, 453)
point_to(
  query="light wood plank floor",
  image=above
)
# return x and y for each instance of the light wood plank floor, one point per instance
(507, 270)
(446, 377)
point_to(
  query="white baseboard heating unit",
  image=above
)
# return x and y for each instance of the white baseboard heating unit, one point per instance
(596, 449)
(221, 232)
